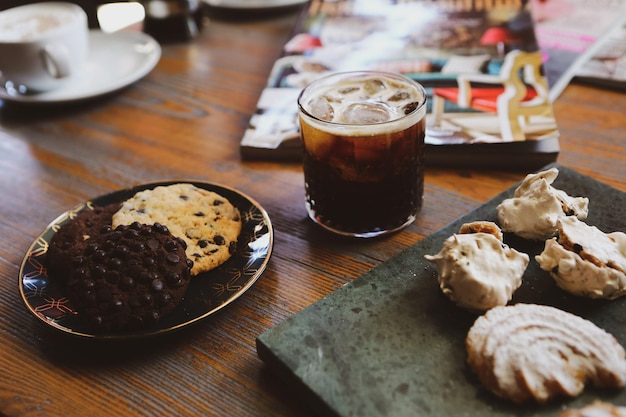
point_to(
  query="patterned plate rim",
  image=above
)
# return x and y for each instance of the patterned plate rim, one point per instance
(207, 294)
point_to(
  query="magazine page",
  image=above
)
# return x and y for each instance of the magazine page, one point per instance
(566, 32)
(478, 61)
(606, 65)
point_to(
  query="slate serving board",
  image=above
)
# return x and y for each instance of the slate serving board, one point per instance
(390, 344)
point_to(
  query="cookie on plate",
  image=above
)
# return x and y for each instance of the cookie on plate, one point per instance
(129, 277)
(205, 220)
(71, 238)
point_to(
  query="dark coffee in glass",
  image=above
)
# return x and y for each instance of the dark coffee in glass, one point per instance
(363, 135)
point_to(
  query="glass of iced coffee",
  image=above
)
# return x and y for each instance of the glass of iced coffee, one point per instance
(363, 135)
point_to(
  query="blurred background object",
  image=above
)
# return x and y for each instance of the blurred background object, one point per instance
(112, 17)
(173, 20)
(165, 20)
(90, 7)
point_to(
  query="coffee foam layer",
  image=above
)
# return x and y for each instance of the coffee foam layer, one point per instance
(342, 95)
(29, 23)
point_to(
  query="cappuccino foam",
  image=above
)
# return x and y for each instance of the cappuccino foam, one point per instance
(31, 24)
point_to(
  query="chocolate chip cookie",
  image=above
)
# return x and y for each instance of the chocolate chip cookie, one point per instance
(71, 238)
(205, 220)
(129, 277)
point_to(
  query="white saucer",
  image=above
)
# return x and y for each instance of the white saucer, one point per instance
(115, 61)
(253, 4)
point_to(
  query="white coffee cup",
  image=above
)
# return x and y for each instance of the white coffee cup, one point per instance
(42, 45)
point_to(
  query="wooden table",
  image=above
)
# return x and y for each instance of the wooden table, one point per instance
(184, 121)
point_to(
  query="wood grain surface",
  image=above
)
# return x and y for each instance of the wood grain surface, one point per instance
(185, 121)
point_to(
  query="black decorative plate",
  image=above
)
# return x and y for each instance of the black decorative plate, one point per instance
(207, 293)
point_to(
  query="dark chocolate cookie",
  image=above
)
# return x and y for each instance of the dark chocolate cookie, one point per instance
(70, 240)
(129, 277)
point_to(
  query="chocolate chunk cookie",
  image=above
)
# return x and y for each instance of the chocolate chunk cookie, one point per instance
(129, 277)
(70, 240)
(205, 220)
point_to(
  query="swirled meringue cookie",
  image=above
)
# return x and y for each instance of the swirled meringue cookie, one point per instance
(531, 352)
(585, 261)
(476, 270)
(596, 409)
(536, 206)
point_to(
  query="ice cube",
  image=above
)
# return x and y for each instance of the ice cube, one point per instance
(347, 90)
(365, 113)
(410, 107)
(318, 146)
(321, 108)
(374, 86)
(371, 151)
(400, 96)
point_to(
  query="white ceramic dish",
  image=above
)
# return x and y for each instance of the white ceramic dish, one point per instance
(115, 60)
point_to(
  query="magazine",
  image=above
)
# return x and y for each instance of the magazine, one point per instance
(606, 64)
(569, 32)
(488, 97)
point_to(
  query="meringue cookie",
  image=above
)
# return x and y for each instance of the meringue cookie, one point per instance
(596, 409)
(477, 271)
(530, 352)
(536, 206)
(585, 261)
